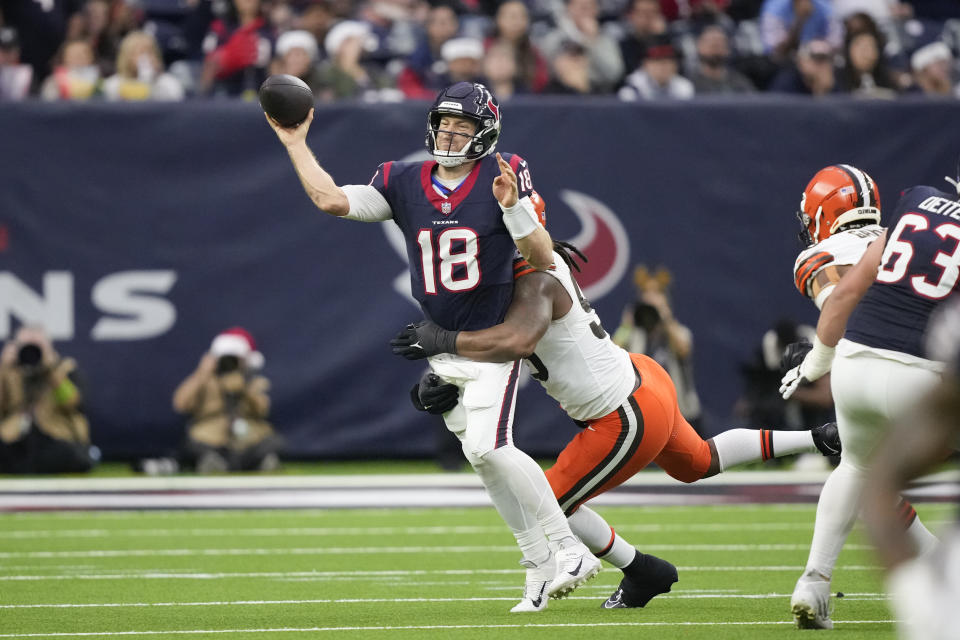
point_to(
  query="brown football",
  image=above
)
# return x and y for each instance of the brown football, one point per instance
(287, 99)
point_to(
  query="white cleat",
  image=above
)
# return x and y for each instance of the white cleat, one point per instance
(535, 597)
(810, 602)
(576, 565)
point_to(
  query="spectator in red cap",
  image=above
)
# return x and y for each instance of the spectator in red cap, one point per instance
(644, 19)
(658, 75)
(228, 406)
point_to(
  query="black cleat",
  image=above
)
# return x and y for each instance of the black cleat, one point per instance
(636, 590)
(827, 439)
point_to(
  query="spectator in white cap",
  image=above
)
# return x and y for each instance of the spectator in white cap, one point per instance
(298, 55)
(346, 74)
(227, 404)
(15, 77)
(932, 66)
(464, 60)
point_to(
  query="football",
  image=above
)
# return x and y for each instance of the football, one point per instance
(287, 99)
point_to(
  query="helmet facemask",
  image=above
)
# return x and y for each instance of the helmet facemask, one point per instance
(806, 237)
(447, 154)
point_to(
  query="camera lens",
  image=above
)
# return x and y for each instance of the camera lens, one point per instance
(646, 316)
(226, 364)
(29, 355)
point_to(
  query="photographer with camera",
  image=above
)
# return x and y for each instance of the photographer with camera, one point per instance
(228, 406)
(42, 427)
(648, 327)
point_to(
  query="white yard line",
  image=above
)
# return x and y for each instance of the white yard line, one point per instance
(567, 625)
(390, 481)
(126, 553)
(325, 575)
(233, 603)
(375, 512)
(382, 531)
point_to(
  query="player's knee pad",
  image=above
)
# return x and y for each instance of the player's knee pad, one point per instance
(473, 457)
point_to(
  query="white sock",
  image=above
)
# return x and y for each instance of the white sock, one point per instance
(525, 501)
(600, 537)
(837, 511)
(738, 446)
(923, 541)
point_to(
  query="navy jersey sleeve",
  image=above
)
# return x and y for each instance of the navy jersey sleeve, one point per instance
(522, 168)
(381, 179)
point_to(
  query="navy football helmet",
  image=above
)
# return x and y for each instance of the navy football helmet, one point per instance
(468, 100)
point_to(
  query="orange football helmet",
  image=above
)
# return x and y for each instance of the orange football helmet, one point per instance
(837, 196)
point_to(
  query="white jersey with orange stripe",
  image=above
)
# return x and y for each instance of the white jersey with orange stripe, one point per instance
(576, 361)
(841, 249)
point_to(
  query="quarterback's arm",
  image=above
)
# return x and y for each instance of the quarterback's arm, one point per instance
(526, 321)
(537, 248)
(318, 184)
(912, 448)
(848, 293)
(367, 204)
(520, 218)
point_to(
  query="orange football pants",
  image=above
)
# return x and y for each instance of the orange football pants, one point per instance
(646, 428)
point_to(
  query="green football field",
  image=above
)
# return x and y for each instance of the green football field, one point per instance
(406, 573)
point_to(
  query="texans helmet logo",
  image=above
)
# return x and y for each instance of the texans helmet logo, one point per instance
(494, 108)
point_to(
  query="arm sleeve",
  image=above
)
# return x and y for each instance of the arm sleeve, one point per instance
(367, 204)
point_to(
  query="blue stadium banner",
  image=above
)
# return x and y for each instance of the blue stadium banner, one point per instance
(135, 233)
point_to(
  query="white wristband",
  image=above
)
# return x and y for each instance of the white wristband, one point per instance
(520, 219)
(818, 361)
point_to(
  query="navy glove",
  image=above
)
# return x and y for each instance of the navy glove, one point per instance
(794, 354)
(424, 339)
(433, 395)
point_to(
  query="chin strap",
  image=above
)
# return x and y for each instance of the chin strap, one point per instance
(450, 161)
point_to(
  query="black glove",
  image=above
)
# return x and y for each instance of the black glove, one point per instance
(793, 355)
(424, 339)
(433, 397)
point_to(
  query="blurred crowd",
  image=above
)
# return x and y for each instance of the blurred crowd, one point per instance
(391, 50)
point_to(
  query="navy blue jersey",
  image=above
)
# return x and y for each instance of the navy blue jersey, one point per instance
(460, 252)
(918, 270)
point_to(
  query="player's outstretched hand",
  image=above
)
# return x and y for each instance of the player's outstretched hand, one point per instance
(505, 185)
(424, 339)
(433, 395)
(791, 381)
(293, 135)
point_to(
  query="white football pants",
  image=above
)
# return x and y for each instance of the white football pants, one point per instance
(869, 391)
(483, 421)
